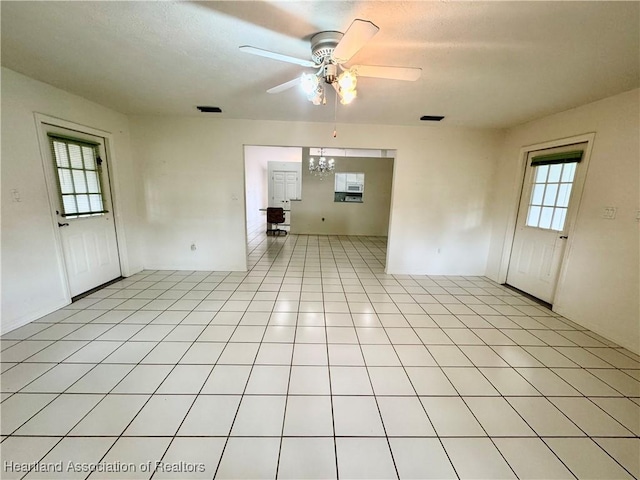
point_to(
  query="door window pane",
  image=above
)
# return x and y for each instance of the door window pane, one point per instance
(545, 217)
(538, 194)
(533, 217)
(76, 156)
(69, 204)
(62, 159)
(89, 158)
(66, 182)
(558, 219)
(83, 203)
(568, 172)
(96, 203)
(550, 194)
(79, 182)
(554, 173)
(563, 195)
(93, 185)
(541, 173)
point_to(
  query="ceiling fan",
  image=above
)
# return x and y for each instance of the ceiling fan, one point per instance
(330, 50)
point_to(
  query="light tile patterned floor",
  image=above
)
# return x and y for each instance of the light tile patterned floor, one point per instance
(315, 364)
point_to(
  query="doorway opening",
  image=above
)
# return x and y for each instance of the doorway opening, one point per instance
(280, 177)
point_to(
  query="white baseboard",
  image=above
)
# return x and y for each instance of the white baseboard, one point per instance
(21, 321)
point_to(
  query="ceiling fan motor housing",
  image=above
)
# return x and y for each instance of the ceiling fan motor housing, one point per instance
(323, 44)
(330, 73)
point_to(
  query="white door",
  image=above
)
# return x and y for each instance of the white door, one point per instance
(84, 208)
(553, 181)
(284, 187)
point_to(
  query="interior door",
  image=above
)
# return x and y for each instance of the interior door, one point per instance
(284, 188)
(553, 182)
(84, 208)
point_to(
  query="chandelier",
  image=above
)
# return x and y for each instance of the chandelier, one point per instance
(323, 168)
(344, 84)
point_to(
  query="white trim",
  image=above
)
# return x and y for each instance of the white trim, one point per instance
(22, 321)
(517, 194)
(391, 209)
(244, 208)
(42, 121)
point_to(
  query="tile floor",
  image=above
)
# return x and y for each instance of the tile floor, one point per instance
(315, 364)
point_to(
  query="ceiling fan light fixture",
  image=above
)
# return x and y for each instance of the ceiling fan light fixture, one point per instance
(309, 83)
(347, 80)
(346, 87)
(347, 96)
(318, 97)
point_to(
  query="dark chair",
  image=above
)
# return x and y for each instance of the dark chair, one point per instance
(275, 216)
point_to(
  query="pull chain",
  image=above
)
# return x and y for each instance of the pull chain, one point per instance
(335, 116)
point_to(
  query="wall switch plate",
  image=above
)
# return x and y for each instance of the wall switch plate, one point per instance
(609, 213)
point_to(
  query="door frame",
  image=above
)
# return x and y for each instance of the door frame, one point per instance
(42, 122)
(519, 185)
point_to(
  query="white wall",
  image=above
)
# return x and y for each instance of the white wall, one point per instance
(318, 213)
(256, 160)
(32, 284)
(186, 175)
(193, 173)
(600, 288)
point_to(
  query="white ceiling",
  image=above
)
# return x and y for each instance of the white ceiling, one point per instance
(485, 64)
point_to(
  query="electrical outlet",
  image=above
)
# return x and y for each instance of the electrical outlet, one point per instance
(638, 215)
(609, 213)
(15, 194)
(193, 247)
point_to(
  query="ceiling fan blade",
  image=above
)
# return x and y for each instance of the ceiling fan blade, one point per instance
(392, 73)
(284, 86)
(359, 33)
(276, 56)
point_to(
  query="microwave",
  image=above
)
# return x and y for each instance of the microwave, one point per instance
(355, 187)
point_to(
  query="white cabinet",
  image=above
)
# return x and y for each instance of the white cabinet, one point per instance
(341, 182)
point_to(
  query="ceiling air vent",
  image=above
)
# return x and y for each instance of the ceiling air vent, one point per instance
(205, 109)
(431, 118)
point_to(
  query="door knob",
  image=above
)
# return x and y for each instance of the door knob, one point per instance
(63, 224)
(563, 237)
